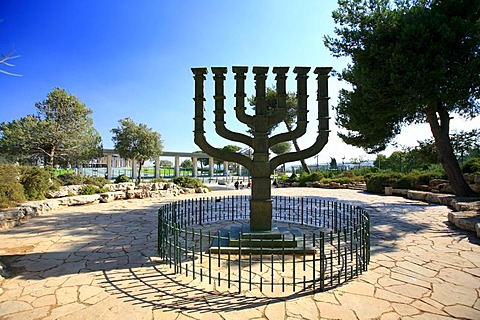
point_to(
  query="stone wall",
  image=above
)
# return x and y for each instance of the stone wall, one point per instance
(467, 210)
(68, 196)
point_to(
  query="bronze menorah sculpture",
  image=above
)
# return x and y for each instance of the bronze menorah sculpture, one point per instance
(261, 166)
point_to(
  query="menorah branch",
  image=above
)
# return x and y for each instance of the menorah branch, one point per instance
(219, 122)
(240, 96)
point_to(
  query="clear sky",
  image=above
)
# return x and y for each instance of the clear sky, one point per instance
(133, 58)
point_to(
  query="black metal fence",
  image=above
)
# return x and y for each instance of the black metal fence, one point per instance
(199, 238)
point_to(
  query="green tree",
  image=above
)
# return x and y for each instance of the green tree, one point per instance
(290, 118)
(136, 141)
(166, 163)
(411, 61)
(333, 164)
(281, 148)
(186, 164)
(203, 161)
(229, 148)
(61, 133)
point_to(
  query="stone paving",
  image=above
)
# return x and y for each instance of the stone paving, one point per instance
(99, 262)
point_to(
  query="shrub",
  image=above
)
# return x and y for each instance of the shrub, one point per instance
(158, 180)
(293, 178)
(122, 178)
(90, 189)
(37, 182)
(471, 165)
(423, 177)
(187, 182)
(70, 178)
(96, 181)
(378, 181)
(11, 191)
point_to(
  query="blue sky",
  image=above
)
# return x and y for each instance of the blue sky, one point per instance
(133, 59)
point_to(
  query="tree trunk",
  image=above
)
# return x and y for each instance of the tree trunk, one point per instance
(440, 126)
(51, 156)
(297, 148)
(139, 176)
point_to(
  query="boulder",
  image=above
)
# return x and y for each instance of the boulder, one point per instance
(417, 195)
(466, 220)
(112, 196)
(64, 191)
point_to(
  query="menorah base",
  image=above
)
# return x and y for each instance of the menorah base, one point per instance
(280, 240)
(261, 215)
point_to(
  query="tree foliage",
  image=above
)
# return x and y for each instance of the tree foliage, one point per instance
(290, 117)
(136, 141)
(412, 61)
(187, 164)
(61, 133)
(281, 148)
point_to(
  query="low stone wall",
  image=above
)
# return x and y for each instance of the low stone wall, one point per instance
(467, 210)
(68, 196)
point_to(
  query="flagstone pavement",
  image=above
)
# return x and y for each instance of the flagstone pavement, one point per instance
(100, 262)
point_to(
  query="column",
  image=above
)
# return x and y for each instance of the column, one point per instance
(225, 168)
(157, 167)
(177, 166)
(210, 166)
(195, 166)
(109, 166)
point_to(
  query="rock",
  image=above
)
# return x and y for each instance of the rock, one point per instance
(201, 190)
(416, 195)
(476, 179)
(64, 191)
(445, 188)
(434, 183)
(388, 191)
(111, 196)
(400, 192)
(81, 200)
(123, 186)
(466, 220)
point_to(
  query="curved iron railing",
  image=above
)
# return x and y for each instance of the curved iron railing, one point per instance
(198, 238)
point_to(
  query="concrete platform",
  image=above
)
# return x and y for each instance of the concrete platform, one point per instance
(100, 262)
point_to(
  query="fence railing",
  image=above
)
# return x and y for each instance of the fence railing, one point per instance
(318, 244)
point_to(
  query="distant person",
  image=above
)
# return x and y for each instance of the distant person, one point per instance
(249, 184)
(236, 184)
(274, 183)
(241, 185)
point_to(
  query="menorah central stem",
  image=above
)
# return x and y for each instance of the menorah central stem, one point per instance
(261, 202)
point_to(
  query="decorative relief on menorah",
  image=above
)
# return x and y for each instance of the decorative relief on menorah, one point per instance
(261, 166)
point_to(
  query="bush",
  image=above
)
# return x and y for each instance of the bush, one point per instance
(96, 181)
(122, 178)
(471, 165)
(423, 177)
(37, 182)
(377, 182)
(292, 178)
(70, 178)
(90, 189)
(11, 191)
(311, 177)
(187, 182)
